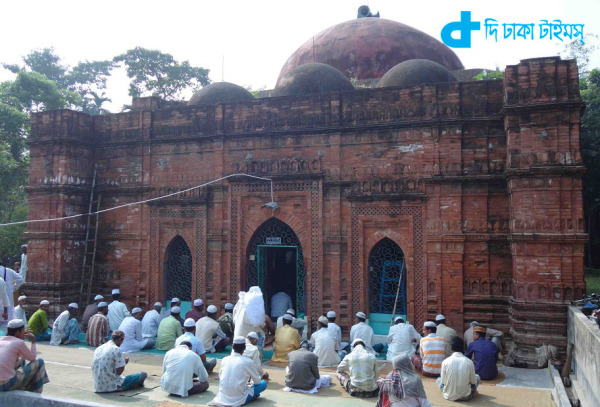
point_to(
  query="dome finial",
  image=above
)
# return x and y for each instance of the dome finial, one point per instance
(365, 11)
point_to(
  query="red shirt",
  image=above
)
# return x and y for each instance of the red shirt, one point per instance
(11, 349)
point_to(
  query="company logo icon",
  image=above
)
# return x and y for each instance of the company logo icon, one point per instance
(464, 27)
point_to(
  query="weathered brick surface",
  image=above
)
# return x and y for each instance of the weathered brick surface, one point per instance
(478, 182)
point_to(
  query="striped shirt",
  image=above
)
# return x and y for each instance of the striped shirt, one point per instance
(97, 331)
(433, 353)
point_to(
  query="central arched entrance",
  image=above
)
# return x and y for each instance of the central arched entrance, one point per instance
(178, 270)
(276, 263)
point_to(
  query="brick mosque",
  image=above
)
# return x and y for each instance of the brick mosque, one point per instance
(472, 190)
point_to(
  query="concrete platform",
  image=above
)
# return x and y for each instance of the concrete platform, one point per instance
(69, 370)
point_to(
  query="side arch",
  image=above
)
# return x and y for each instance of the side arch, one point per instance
(177, 270)
(386, 270)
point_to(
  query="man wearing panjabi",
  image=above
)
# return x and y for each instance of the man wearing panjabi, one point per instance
(38, 323)
(117, 311)
(97, 332)
(287, 339)
(180, 365)
(402, 339)
(151, 321)
(325, 345)
(253, 353)
(132, 328)
(65, 329)
(91, 309)
(361, 382)
(458, 380)
(484, 354)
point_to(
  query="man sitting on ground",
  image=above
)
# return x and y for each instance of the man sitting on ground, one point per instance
(226, 321)
(363, 331)
(132, 328)
(169, 330)
(253, 352)
(484, 353)
(65, 329)
(402, 339)
(491, 334)
(432, 351)
(90, 310)
(30, 377)
(108, 365)
(334, 330)
(362, 380)
(458, 380)
(117, 311)
(234, 376)
(209, 332)
(151, 321)
(176, 303)
(38, 323)
(180, 365)
(324, 345)
(302, 372)
(20, 309)
(189, 335)
(297, 323)
(445, 332)
(287, 339)
(197, 312)
(97, 332)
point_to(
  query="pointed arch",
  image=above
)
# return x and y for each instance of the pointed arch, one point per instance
(177, 270)
(386, 264)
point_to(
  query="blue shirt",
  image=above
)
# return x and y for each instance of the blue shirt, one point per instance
(485, 358)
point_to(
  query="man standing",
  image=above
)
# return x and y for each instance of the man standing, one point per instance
(23, 270)
(13, 281)
(252, 352)
(234, 376)
(363, 331)
(180, 365)
(4, 301)
(97, 332)
(132, 328)
(108, 365)
(66, 329)
(361, 382)
(226, 321)
(151, 321)
(324, 345)
(197, 312)
(19, 310)
(402, 339)
(169, 330)
(445, 332)
(279, 303)
(209, 332)
(432, 351)
(30, 377)
(117, 311)
(91, 309)
(38, 323)
(302, 372)
(458, 380)
(189, 335)
(484, 353)
(287, 339)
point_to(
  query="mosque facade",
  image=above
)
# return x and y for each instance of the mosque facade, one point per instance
(425, 194)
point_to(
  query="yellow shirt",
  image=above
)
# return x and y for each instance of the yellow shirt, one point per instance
(287, 339)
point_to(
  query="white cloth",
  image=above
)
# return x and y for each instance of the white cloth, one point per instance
(117, 312)
(13, 281)
(234, 374)
(325, 347)
(402, 338)
(5, 302)
(197, 346)
(206, 329)
(150, 324)
(457, 376)
(323, 381)
(336, 332)
(23, 269)
(58, 328)
(253, 353)
(280, 303)
(364, 332)
(447, 333)
(133, 342)
(179, 367)
(363, 368)
(241, 324)
(20, 314)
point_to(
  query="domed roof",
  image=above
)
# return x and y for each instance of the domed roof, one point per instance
(220, 92)
(367, 48)
(312, 78)
(416, 72)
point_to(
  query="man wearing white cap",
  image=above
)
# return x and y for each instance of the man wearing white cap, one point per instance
(210, 333)
(23, 270)
(235, 373)
(361, 382)
(151, 321)
(432, 351)
(491, 334)
(189, 335)
(90, 310)
(117, 311)
(334, 330)
(176, 302)
(132, 328)
(297, 323)
(402, 338)
(445, 332)
(287, 339)
(13, 281)
(65, 329)
(253, 352)
(4, 301)
(363, 331)
(324, 345)
(169, 330)
(226, 320)
(180, 365)
(20, 310)
(30, 377)
(97, 332)
(197, 312)
(38, 323)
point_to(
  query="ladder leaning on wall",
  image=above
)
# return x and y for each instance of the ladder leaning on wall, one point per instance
(90, 245)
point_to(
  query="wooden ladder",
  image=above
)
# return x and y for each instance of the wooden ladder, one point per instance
(90, 245)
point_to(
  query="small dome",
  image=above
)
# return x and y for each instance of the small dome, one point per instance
(312, 78)
(416, 72)
(220, 92)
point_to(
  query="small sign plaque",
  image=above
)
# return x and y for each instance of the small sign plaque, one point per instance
(273, 240)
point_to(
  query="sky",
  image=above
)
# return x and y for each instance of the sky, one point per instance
(247, 42)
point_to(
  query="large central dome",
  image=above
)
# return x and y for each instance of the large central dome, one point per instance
(367, 48)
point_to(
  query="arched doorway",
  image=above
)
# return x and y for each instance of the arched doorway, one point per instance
(178, 270)
(276, 263)
(386, 270)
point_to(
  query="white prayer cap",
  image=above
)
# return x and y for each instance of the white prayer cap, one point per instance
(323, 320)
(331, 314)
(102, 304)
(74, 305)
(429, 324)
(175, 299)
(157, 304)
(440, 317)
(136, 310)
(98, 297)
(398, 318)
(175, 310)
(44, 302)
(361, 315)
(16, 323)
(291, 311)
(211, 309)
(229, 306)
(474, 323)
(288, 317)
(116, 291)
(189, 323)
(197, 302)
(356, 340)
(21, 298)
(239, 340)
(252, 335)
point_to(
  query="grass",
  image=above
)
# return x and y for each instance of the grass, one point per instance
(592, 280)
